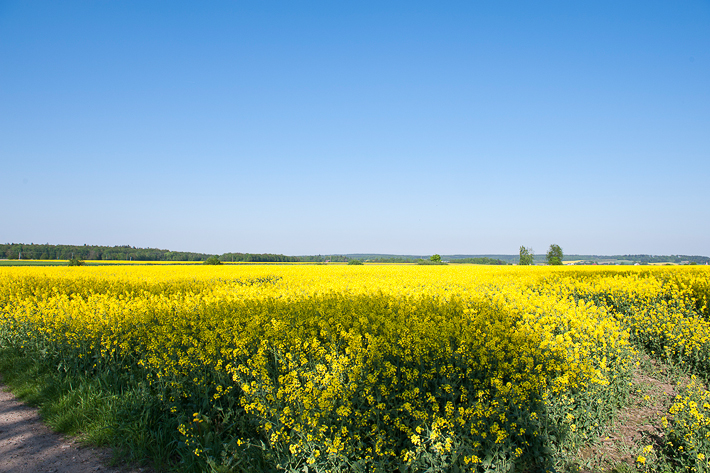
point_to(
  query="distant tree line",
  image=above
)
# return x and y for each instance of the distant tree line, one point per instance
(123, 253)
(322, 258)
(258, 258)
(393, 259)
(481, 260)
(91, 252)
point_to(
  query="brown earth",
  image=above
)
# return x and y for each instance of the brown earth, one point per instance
(638, 424)
(29, 446)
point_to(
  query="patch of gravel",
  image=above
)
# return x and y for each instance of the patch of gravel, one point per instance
(29, 446)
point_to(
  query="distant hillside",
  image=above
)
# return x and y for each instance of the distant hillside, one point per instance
(632, 259)
(513, 259)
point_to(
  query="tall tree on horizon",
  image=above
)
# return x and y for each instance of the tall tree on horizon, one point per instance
(526, 256)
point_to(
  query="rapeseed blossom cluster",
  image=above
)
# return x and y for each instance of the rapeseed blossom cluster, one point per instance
(665, 310)
(371, 368)
(687, 428)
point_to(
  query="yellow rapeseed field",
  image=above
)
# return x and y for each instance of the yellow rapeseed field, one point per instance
(365, 368)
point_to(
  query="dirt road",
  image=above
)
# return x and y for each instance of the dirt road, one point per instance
(28, 446)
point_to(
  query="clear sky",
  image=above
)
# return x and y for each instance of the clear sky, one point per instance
(290, 127)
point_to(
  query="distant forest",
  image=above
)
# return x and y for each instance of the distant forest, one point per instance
(126, 253)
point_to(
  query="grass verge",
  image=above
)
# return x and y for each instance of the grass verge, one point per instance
(111, 412)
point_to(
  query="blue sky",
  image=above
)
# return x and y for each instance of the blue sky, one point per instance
(332, 127)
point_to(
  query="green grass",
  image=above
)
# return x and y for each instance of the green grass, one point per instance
(102, 411)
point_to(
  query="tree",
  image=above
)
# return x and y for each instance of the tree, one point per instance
(212, 260)
(554, 255)
(526, 256)
(435, 258)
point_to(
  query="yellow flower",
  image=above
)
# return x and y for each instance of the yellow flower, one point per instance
(453, 350)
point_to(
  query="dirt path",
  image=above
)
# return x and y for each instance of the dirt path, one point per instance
(638, 423)
(28, 446)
